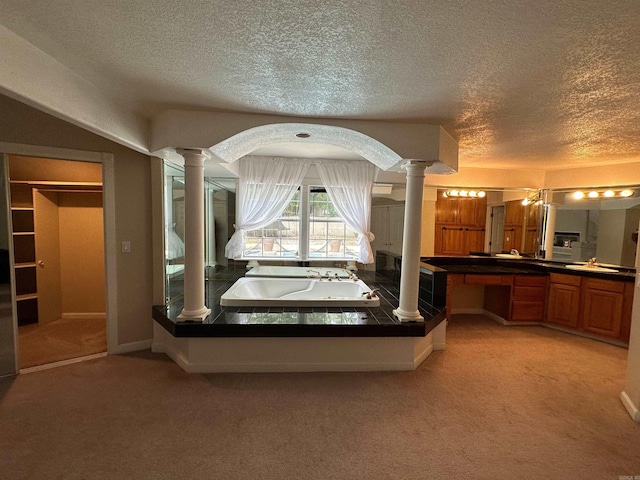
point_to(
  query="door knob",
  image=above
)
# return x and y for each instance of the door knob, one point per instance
(41, 263)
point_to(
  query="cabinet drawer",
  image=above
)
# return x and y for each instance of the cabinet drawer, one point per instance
(487, 279)
(606, 285)
(565, 279)
(529, 292)
(527, 311)
(530, 280)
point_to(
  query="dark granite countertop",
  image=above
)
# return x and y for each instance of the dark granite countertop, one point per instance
(297, 321)
(491, 265)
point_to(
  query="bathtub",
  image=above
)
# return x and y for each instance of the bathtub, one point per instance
(297, 292)
(295, 272)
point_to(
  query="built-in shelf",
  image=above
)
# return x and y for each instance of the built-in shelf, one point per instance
(27, 209)
(26, 296)
(24, 233)
(25, 265)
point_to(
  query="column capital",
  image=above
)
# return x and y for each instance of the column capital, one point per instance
(193, 156)
(416, 167)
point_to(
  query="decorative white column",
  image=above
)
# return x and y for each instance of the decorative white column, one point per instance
(407, 311)
(194, 267)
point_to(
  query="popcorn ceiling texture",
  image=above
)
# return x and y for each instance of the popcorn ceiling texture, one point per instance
(550, 83)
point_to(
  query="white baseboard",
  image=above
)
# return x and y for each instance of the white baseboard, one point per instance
(130, 347)
(74, 315)
(631, 408)
(62, 363)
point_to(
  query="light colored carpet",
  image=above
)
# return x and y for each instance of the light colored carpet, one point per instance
(499, 403)
(61, 340)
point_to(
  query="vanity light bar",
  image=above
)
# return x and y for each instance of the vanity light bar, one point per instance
(579, 195)
(465, 193)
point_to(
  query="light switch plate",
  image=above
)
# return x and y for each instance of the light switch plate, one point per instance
(126, 246)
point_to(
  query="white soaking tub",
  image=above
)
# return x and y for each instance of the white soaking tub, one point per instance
(298, 292)
(296, 272)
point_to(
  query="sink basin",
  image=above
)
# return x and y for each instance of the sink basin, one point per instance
(587, 268)
(507, 255)
(598, 264)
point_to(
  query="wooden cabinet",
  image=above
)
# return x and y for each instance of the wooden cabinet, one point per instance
(513, 225)
(563, 303)
(528, 298)
(460, 225)
(387, 224)
(598, 306)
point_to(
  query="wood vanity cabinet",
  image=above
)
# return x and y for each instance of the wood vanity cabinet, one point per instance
(528, 298)
(460, 225)
(563, 302)
(598, 306)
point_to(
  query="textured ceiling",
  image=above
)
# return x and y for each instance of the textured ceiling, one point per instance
(536, 84)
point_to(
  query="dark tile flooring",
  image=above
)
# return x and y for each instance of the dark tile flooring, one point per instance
(292, 321)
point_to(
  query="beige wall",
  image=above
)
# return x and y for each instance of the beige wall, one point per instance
(22, 124)
(81, 252)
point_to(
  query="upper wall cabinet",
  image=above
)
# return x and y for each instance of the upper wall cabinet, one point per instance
(460, 225)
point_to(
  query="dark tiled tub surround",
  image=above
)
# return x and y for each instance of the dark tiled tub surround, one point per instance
(297, 321)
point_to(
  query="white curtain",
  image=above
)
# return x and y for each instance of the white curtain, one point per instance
(349, 184)
(266, 187)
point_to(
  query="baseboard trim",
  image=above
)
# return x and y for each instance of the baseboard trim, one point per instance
(62, 363)
(130, 347)
(631, 408)
(74, 315)
(467, 311)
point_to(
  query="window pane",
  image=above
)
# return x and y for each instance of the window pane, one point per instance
(280, 239)
(329, 237)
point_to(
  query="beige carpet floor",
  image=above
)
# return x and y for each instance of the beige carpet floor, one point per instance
(499, 403)
(63, 339)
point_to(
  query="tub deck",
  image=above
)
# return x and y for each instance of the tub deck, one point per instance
(297, 339)
(297, 321)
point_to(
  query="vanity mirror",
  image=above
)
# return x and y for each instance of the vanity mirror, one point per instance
(587, 223)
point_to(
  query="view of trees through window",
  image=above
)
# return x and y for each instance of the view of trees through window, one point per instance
(328, 235)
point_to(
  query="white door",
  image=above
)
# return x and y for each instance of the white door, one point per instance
(497, 229)
(396, 228)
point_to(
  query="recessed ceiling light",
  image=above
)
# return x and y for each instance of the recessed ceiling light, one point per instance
(303, 135)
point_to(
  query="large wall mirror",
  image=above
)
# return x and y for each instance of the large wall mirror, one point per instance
(600, 223)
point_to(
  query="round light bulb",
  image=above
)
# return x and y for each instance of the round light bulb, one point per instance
(592, 194)
(463, 193)
(481, 194)
(525, 202)
(626, 193)
(578, 195)
(609, 193)
(453, 193)
(473, 193)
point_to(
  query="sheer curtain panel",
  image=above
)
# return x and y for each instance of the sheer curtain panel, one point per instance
(348, 184)
(265, 188)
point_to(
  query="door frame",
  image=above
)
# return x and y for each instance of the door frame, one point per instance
(109, 225)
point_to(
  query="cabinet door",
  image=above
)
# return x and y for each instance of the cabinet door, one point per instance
(563, 304)
(446, 209)
(514, 213)
(602, 312)
(474, 240)
(450, 240)
(396, 228)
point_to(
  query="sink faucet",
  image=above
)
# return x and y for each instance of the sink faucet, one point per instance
(592, 262)
(514, 252)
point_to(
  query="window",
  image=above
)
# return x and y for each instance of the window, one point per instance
(309, 228)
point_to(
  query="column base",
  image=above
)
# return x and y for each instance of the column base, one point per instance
(198, 315)
(405, 316)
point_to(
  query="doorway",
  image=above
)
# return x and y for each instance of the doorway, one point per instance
(58, 239)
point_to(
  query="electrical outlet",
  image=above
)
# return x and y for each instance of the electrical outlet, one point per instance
(126, 246)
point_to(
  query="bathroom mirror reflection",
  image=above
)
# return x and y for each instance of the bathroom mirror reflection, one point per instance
(600, 223)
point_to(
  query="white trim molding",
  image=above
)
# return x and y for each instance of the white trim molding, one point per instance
(631, 408)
